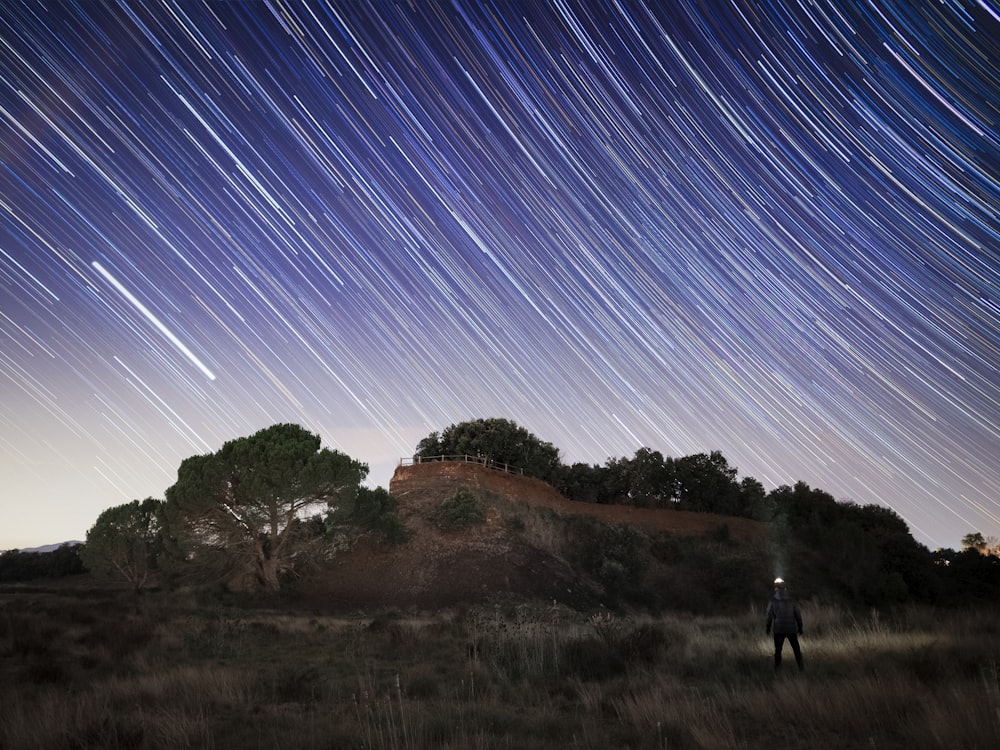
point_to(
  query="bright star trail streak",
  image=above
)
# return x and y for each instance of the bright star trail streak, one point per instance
(769, 229)
(153, 319)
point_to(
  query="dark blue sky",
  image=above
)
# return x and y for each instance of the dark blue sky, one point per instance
(769, 229)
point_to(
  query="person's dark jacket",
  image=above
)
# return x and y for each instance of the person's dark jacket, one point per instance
(783, 614)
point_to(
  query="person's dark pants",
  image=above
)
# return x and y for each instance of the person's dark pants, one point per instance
(779, 642)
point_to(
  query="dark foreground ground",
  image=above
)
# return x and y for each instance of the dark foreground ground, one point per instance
(92, 668)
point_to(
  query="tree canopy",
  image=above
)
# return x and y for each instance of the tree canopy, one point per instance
(124, 541)
(704, 482)
(985, 545)
(264, 505)
(246, 509)
(494, 439)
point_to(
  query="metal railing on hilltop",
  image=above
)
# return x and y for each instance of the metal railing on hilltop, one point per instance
(489, 463)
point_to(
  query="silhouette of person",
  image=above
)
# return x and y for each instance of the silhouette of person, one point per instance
(785, 619)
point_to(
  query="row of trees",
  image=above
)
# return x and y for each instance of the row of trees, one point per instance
(24, 565)
(263, 507)
(860, 553)
(258, 508)
(704, 482)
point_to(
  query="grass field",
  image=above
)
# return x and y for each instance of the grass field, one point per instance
(100, 669)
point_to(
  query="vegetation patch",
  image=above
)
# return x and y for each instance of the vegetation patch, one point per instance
(460, 511)
(235, 677)
(373, 509)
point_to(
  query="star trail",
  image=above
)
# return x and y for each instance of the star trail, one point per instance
(766, 228)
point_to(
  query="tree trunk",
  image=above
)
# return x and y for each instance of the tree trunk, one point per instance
(267, 565)
(267, 573)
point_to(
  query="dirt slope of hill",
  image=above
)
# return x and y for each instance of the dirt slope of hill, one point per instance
(436, 569)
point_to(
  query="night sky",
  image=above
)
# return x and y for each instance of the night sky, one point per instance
(769, 229)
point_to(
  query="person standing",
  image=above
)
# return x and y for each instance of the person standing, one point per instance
(785, 620)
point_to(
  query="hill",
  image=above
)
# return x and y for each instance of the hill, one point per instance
(422, 486)
(534, 544)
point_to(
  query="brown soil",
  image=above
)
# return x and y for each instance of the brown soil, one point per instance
(436, 569)
(418, 485)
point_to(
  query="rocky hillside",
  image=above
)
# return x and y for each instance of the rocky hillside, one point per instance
(525, 549)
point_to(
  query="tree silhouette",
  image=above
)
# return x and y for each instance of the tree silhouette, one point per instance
(124, 541)
(245, 509)
(498, 440)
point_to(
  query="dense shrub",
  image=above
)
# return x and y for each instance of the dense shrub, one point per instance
(461, 510)
(375, 509)
(616, 556)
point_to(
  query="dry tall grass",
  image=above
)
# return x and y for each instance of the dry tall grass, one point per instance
(112, 671)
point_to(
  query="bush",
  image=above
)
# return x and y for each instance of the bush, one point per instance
(617, 557)
(461, 510)
(373, 509)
